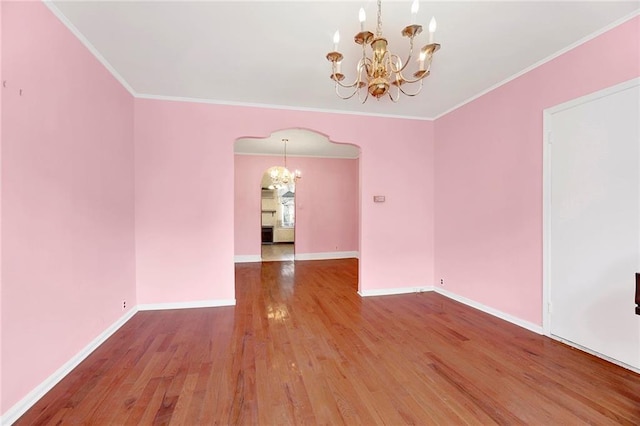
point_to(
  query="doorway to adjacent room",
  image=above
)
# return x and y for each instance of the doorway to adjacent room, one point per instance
(277, 212)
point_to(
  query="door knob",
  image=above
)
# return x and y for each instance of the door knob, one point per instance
(637, 293)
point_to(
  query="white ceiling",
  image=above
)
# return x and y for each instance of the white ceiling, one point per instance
(272, 53)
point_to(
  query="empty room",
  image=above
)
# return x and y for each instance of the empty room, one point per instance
(319, 212)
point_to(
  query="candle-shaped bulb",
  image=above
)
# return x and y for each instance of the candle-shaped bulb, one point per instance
(423, 56)
(338, 67)
(414, 11)
(432, 28)
(362, 17)
(336, 40)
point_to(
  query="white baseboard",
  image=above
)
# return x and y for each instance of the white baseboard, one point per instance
(594, 353)
(491, 311)
(14, 413)
(247, 258)
(21, 407)
(327, 255)
(187, 305)
(392, 291)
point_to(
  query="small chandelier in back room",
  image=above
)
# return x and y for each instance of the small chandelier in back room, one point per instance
(281, 176)
(383, 69)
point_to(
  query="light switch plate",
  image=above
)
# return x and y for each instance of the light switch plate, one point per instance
(378, 198)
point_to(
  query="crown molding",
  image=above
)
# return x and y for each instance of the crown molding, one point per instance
(262, 154)
(273, 106)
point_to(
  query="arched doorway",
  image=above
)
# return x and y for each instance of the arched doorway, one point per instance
(327, 213)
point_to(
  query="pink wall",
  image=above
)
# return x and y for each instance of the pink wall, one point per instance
(327, 196)
(185, 201)
(184, 204)
(488, 174)
(67, 198)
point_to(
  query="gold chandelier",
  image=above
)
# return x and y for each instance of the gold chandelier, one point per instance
(280, 176)
(383, 69)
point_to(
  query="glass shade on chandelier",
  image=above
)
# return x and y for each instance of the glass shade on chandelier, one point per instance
(282, 177)
(384, 73)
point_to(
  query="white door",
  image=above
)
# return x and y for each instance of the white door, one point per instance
(594, 222)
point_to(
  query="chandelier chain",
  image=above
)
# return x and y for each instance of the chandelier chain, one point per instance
(285, 152)
(379, 26)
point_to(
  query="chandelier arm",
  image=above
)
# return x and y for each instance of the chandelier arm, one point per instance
(367, 66)
(406, 62)
(357, 81)
(339, 83)
(415, 80)
(398, 70)
(412, 94)
(366, 96)
(397, 98)
(355, 90)
(422, 77)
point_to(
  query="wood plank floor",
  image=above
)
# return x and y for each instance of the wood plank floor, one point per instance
(278, 252)
(301, 347)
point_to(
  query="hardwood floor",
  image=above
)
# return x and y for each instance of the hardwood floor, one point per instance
(277, 252)
(301, 347)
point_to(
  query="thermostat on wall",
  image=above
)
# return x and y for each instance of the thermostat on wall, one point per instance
(378, 198)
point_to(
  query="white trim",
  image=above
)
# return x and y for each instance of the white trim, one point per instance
(214, 303)
(394, 291)
(491, 311)
(86, 43)
(607, 91)
(279, 107)
(247, 258)
(594, 353)
(327, 255)
(544, 61)
(546, 220)
(39, 391)
(263, 154)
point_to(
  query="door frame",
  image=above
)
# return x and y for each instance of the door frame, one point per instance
(546, 194)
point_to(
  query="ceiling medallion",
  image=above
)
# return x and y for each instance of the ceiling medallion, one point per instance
(383, 69)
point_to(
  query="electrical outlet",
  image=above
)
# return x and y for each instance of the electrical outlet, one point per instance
(441, 281)
(124, 305)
